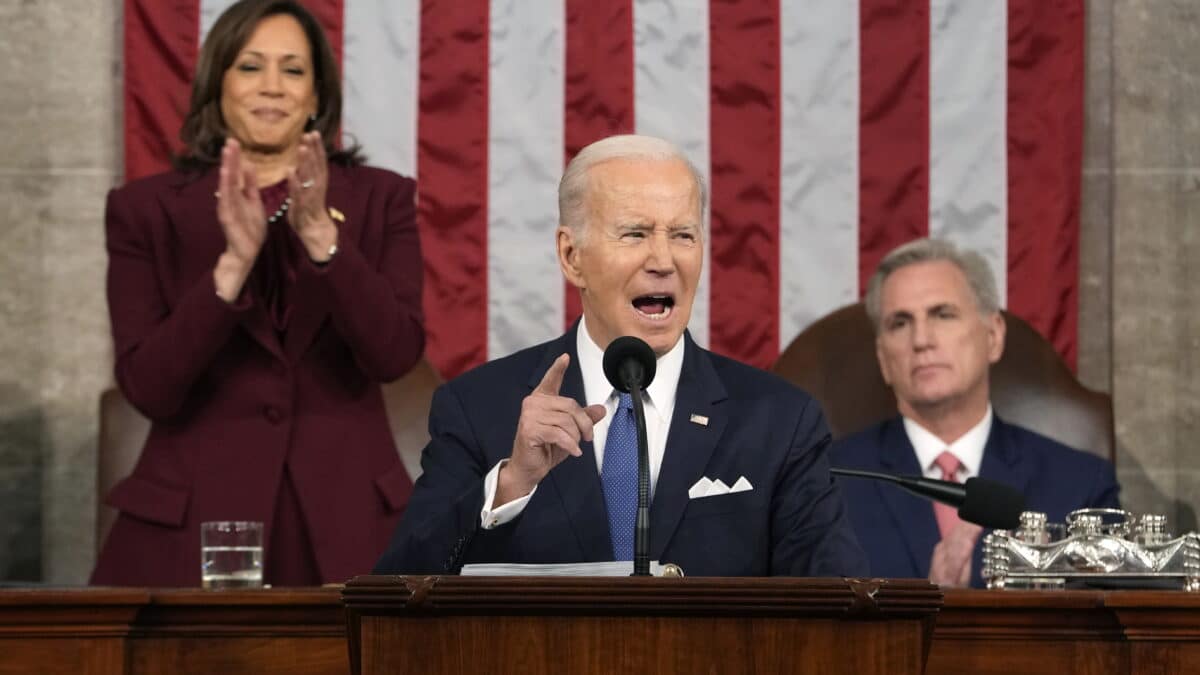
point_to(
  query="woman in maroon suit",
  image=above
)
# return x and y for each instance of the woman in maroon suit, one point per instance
(259, 293)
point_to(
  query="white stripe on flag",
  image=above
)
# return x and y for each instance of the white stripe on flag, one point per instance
(968, 177)
(380, 54)
(525, 159)
(818, 203)
(209, 11)
(671, 97)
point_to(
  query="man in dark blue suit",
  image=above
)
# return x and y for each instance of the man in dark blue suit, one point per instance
(938, 329)
(530, 456)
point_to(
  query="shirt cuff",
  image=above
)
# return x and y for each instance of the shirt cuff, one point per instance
(490, 518)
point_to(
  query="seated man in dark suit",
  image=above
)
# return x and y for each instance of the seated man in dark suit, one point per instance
(938, 328)
(531, 457)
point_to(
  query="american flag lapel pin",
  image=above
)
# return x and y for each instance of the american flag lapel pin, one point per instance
(699, 419)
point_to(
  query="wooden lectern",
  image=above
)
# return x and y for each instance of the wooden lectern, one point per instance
(582, 625)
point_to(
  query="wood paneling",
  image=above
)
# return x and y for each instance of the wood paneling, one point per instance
(99, 631)
(530, 645)
(291, 655)
(693, 625)
(66, 631)
(755, 625)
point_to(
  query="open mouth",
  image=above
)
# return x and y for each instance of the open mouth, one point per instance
(656, 307)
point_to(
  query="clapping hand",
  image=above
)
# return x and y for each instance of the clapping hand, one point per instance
(951, 563)
(308, 184)
(242, 219)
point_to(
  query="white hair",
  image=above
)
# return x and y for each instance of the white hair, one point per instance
(974, 267)
(572, 189)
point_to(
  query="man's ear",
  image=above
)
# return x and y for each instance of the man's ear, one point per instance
(997, 330)
(568, 256)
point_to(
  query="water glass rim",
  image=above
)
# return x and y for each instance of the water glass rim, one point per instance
(231, 525)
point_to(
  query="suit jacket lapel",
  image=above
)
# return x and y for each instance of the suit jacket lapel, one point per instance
(914, 515)
(311, 311)
(689, 445)
(575, 479)
(194, 217)
(1003, 461)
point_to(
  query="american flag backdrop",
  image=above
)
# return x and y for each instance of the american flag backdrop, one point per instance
(830, 131)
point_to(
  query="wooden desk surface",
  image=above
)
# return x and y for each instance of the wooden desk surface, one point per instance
(132, 631)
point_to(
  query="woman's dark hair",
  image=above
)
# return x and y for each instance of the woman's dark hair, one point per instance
(203, 132)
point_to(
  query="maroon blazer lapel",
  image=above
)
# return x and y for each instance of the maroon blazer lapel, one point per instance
(257, 323)
(314, 306)
(193, 218)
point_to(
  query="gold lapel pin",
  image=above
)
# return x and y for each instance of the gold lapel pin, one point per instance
(699, 419)
(337, 215)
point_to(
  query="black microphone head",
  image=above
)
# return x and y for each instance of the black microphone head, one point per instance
(992, 504)
(629, 361)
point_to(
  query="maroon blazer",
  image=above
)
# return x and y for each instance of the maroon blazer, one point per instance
(232, 403)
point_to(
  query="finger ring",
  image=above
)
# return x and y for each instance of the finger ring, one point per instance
(307, 184)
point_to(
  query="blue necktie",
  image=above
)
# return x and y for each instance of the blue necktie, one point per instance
(619, 478)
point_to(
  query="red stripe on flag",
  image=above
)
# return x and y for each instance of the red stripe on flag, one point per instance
(331, 15)
(1045, 154)
(745, 138)
(161, 46)
(452, 162)
(598, 93)
(893, 141)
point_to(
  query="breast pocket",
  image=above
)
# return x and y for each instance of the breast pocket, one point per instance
(734, 502)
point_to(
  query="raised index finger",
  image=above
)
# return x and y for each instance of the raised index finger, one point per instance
(552, 380)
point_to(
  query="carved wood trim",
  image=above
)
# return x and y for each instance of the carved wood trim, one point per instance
(750, 597)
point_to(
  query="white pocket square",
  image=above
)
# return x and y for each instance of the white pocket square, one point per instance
(706, 487)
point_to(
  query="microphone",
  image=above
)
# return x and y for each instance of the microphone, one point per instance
(629, 365)
(979, 500)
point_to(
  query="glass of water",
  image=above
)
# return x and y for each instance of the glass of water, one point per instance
(231, 554)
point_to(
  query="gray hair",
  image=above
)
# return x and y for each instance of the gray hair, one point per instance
(572, 189)
(974, 267)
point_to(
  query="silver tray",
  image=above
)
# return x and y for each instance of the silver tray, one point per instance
(1108, 548)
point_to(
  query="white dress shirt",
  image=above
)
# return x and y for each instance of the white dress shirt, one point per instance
(659, 400)
(968, 448)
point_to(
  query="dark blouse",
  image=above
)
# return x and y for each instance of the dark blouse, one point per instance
(274, 273)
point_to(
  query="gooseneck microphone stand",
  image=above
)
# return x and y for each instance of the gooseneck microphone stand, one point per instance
(629, 365)
(641, 531)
